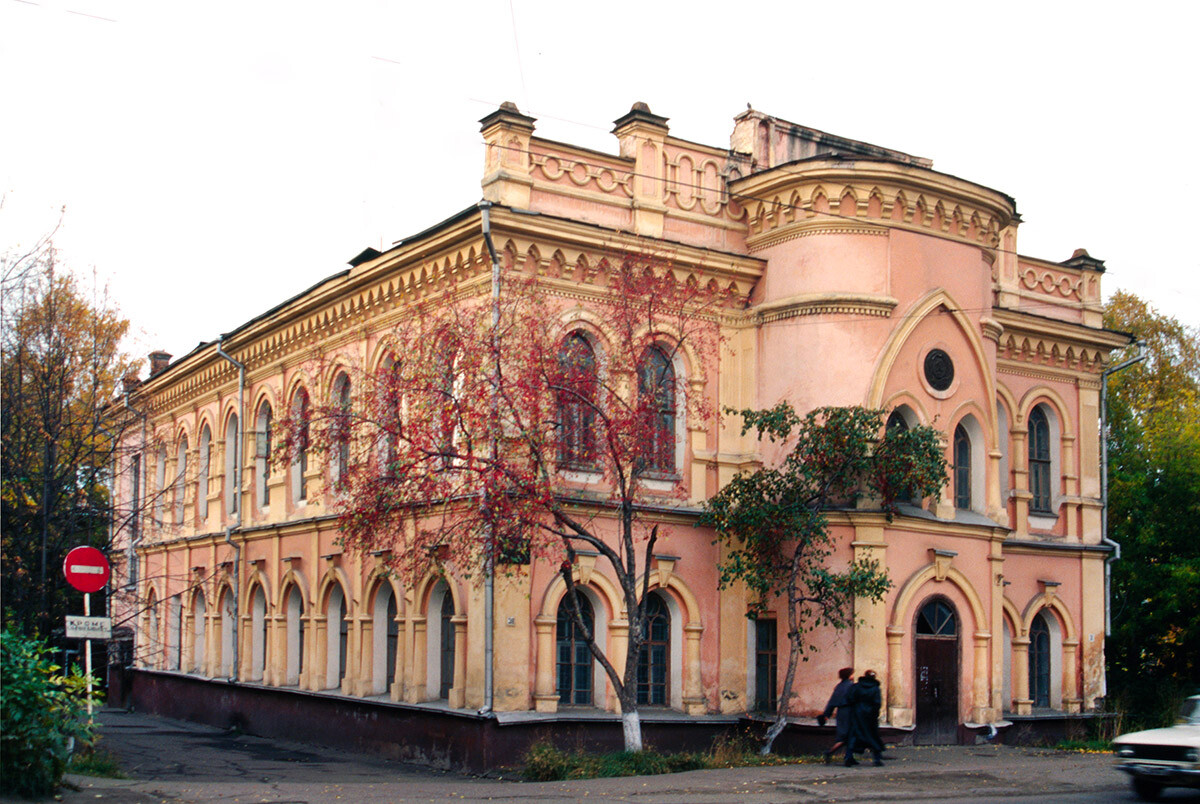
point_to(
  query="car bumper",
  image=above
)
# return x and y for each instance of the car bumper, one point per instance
(1167, 774)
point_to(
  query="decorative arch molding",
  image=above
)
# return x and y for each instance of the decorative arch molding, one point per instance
(292, 578)
(385, 348)
(1044, 394)
(424, 589)
(912, 319)
(264, 392)
(588, 321)
(901, 610)
(683, 594)
(257, 579)
(1010, 402)
(556, 590)
(1013, 617)
(906, 399)
(375, 581)
(338, 576)
(1053, 602)
(682, 348)
(299, 378)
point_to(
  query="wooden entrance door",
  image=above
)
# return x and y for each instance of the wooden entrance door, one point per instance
(937, 675)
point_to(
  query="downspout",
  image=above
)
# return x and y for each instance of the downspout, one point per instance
(237, 490)
(1115, 555)
(489, 574)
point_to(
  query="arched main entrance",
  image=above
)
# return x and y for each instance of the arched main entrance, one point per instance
(936, 651)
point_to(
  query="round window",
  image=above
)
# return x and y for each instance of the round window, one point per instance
(939, 370)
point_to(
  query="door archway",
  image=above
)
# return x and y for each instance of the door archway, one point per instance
(936, 652)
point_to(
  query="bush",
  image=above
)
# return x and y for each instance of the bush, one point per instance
(41, 717)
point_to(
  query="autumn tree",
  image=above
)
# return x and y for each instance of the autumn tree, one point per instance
(773, 522)
(61, 362)
(1154, 510)
(496, 434)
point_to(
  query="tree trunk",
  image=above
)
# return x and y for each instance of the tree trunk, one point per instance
(784, 697)
(631, 727)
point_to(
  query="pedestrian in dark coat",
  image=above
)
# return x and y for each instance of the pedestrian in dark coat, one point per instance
(840, 700)
(865, 701)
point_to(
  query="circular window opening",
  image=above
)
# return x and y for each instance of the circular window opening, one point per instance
(939, 370)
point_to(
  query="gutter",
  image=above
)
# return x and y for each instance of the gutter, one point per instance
(237, 494)
(1104, 539)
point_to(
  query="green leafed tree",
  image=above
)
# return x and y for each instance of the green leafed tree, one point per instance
(773, 524)
(1154, 511)
(60, 364)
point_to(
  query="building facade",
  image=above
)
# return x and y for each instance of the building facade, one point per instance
(865, 277)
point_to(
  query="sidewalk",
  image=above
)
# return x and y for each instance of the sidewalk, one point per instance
(172, 761)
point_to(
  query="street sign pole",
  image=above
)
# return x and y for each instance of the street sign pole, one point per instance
(87, 654)
(87, 570)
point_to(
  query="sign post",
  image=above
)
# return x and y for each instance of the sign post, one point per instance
(87, 570)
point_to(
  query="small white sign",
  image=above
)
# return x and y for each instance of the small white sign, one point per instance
(89, 627)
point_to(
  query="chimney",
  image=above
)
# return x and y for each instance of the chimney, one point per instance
(158, 362)
(131, 382)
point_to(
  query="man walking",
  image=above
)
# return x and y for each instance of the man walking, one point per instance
(839, 700)
(865, 700)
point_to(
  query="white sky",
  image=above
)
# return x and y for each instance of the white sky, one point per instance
(216, 158)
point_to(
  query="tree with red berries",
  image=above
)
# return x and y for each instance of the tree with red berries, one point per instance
(496, 433)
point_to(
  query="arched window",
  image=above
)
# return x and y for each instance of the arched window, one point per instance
(656, 397)
(300, 411)
(174, 633)
(232, 465)
(896, 422)
(962, 468)
(199, 615)
(180, 476)
(295, 636)
(262, 453)
(390, 401)
(937, 619)
(654, 659)
(341, 423)
(227, 635)
(574, 656)
(335, 612)
(160, 482)
(446, 667)
(393, 642)
(1039, 461)
(202, 475)
(1039, 661)
(258, 634)
(576, 403)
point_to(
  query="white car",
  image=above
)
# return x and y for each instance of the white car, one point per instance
(1161, 758)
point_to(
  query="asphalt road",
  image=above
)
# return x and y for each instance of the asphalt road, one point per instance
(171, 762)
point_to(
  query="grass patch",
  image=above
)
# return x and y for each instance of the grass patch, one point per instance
(96, 762)
(545, 763)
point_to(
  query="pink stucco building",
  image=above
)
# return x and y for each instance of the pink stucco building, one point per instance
(867, 278)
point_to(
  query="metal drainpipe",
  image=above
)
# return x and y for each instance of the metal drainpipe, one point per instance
(1116, 553)
(489, 576)
(237, 490)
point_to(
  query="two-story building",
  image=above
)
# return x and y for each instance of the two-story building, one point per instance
(865, 277)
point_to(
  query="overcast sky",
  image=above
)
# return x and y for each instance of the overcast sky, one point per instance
(216, 158)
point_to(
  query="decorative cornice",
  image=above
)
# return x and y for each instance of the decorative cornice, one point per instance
(863, 304)
(815, 226)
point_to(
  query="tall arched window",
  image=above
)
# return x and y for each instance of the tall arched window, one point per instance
(446, 666)
(896, 422)
(300, 411)
(180, 477)
(654, 659)
(576, 403)
(202, 475)
(1039, 460)
(294, 623)
(574, 656)
(160, 482)
(388, 381)
(1039, 661)
(262, 453)
(341, 423)
(656, 395)
(232, 465)
(962, 468)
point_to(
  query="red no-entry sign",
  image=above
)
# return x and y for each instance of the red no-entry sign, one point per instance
(86, 569)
